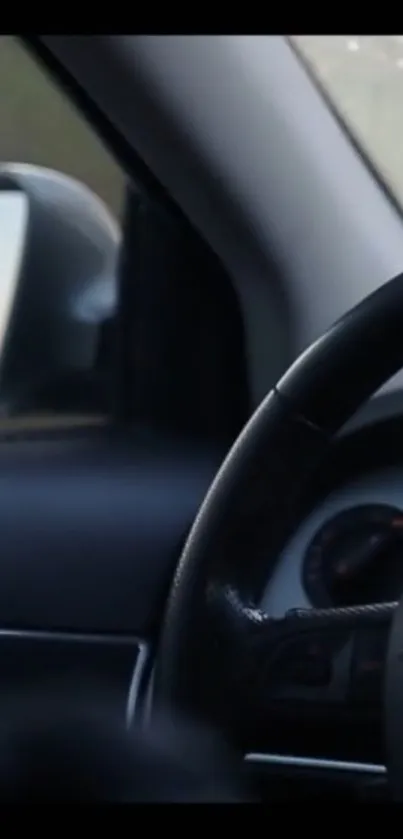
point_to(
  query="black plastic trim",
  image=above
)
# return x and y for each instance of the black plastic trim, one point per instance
(119, 147)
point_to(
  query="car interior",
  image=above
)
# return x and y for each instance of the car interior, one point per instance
(213, 523)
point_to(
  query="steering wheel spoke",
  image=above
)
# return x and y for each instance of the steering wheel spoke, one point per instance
(300, 650)
(296, 659)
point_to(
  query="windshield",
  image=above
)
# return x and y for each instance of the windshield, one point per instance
(363, 77)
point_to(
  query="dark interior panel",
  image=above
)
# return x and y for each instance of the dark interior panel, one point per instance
(80, 664)
(91, 527)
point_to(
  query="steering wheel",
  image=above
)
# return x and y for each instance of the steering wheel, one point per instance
(216, 641)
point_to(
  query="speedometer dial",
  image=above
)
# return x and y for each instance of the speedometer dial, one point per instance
(356, 558)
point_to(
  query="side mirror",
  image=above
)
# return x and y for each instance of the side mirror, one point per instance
(58, 255)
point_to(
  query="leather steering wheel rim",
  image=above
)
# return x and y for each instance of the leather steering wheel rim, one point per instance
(264, 473)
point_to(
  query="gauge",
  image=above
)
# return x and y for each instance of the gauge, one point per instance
(356, 558)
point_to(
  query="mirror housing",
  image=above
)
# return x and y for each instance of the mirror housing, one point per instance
(58, 258)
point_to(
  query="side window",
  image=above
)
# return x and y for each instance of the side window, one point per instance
(40, 127)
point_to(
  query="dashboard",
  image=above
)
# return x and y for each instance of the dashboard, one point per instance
(325, 697)
(346, 551)
(92, 527)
